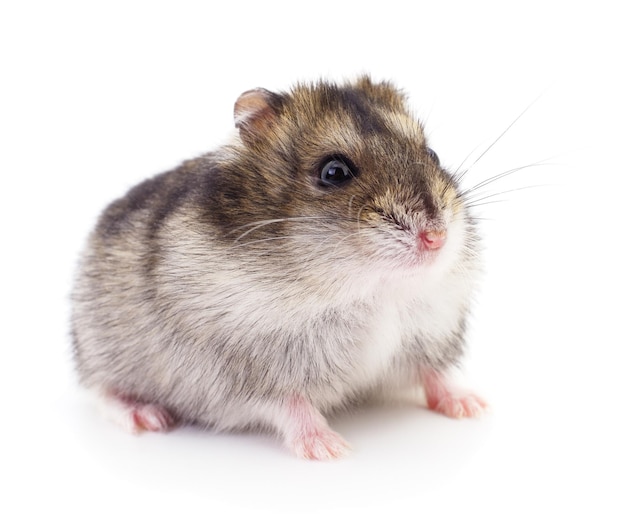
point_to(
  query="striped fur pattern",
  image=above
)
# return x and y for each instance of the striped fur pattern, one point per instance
(242, 290)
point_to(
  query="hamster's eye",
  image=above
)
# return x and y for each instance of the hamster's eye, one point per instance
(431, 153)
(336, 172)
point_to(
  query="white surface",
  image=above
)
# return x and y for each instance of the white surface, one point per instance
(94, 99)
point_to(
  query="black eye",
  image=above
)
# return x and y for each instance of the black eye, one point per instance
(336, 172)
(433, 155)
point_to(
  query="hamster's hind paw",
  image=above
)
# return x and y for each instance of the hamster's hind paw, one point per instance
(151, 417)
(133, 416)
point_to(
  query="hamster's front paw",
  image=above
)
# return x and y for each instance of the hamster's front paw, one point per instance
(459, 405)
(448, 400)
(319, 444)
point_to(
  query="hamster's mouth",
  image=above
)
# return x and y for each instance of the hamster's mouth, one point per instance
(411, 248)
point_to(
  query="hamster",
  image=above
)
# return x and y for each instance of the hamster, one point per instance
(321, 257)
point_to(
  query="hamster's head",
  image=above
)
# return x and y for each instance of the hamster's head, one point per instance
(334, 175)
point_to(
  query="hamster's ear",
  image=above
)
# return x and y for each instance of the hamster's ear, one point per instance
(383, 92)
(255, 111)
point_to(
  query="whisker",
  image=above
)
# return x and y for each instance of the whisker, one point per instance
(275, 238)
(264, 240)
(260, 224)
(358, 220)
(457, 174)
(254, 223)
(350, 205)
(493, 179)
(479, 201)
(343, 240)
(503, 133)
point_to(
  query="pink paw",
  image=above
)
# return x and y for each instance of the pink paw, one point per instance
(135, 416)
(459, 406)
(322, 444)
(308, 434)
(447, 399)
(150, 418)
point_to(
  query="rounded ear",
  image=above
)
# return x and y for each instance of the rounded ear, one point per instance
(255, 111)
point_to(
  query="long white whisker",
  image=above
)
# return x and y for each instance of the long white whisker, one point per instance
(358, 220)
(479, 201)
(456, 173)
(504, 132)
(350, 204)
(499, 176)
(275, 238)
(264, 240)
(343, 239)
(260, 224)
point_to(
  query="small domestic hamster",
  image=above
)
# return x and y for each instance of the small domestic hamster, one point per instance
(320, 257)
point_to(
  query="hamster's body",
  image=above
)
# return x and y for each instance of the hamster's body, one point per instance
(321, 257)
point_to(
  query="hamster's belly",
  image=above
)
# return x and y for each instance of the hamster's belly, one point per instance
(380, 343)
(406, 328)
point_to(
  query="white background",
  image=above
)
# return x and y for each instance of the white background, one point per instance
(97, 96)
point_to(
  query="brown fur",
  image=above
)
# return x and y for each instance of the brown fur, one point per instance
(238, 280)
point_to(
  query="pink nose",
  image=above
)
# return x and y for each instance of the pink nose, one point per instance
(433, 239)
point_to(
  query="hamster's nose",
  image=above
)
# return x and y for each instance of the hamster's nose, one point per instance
(433, 239)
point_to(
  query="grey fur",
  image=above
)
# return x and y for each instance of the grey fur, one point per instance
(236, 281)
